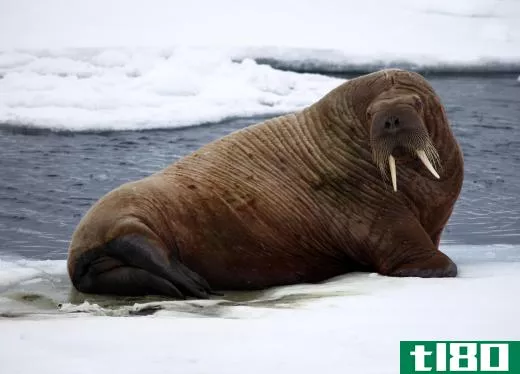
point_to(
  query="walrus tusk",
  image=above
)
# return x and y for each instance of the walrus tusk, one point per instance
(427, 163)
(393, 172)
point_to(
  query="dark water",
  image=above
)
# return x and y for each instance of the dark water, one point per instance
(48, 180)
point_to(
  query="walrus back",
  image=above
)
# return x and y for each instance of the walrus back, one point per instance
(246, 198)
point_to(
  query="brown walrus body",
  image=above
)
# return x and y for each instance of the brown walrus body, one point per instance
(298, 198)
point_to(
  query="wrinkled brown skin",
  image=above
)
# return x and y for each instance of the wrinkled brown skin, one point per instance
(294, 199)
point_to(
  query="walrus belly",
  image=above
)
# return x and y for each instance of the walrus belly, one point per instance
(248, 269)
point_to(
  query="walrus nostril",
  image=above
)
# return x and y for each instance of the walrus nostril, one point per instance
(391, 123)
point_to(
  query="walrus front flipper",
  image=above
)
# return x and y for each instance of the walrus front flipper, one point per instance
(408, 251)
(131, 266)
(437, 265)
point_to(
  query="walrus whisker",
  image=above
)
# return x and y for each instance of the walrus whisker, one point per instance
(422, 156)
(393, 172)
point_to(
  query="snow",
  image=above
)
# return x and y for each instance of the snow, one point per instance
(358, 327)
(353, 322)
(13, 271)
(464, 29)
(121, 89)
(117, 65)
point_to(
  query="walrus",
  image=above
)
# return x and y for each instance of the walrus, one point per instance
(365, 179)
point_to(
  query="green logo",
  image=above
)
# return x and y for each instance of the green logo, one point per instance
(459, 357)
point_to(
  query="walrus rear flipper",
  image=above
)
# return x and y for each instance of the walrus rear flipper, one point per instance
(130, 266)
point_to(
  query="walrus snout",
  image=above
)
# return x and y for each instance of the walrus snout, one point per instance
(396, 120)
(396, 124)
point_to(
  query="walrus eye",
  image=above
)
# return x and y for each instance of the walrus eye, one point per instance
(417, 102)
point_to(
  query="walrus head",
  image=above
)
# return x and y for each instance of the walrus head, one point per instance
(397, 128)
